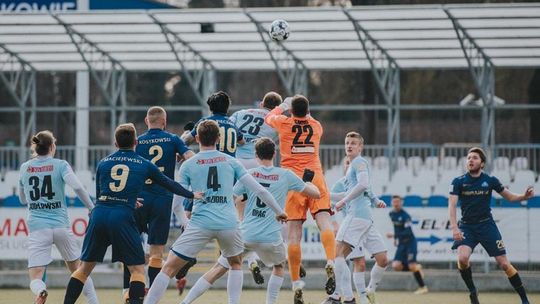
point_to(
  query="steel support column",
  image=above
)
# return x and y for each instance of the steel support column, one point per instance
(385, 71)
(291, 70)
(19, 77)
(108, 73)
(198, 71)
(482, 71)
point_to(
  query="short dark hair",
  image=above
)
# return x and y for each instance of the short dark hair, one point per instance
(41, 142)
(299, 106)
(265, 148)
(208, 133)
(271, 100)
(219, 102)
(125, 136)
(479, 151)
(397, 196)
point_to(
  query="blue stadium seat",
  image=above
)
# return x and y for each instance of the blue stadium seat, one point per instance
(387, 199)
(506, 204)
(412, 201)
(534, 202)
(11, 201)
(437, 201)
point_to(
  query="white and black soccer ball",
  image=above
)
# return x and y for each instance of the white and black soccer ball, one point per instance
(279, 30)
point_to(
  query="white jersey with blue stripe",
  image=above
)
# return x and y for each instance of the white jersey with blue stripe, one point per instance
(213, 173)
(42, 180)
(359, 207)
(259, 224)
(251, 124)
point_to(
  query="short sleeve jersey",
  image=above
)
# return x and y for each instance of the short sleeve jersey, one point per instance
(259, 224)
(121, 176)
(42, 180)
(251, 124)
(360, 207)
(299, 140)
(160, 147)
(474, 194)
(228, 134)
(213, 173)
(402, 225)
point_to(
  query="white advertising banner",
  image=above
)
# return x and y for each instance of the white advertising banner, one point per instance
(432, 229)
(14, 231)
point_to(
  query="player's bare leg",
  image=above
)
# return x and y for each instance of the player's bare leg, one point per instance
(328, 240)
(513, 277)
(294, 258)
(37, 286)
(155, 262)
(381, 261)
(464, 253)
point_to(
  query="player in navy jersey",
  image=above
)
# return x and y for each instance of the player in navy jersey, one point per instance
(473, 191)
(404, 239)
(161, 148)
(120, 177)
(229, 137)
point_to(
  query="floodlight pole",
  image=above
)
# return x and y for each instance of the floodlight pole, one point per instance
(291, 70)
(385, 70)
(483, 73)
(19, 77)
(202, 76)
(108, 73)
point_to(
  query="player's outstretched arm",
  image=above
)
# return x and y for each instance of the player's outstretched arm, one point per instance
(266, 197)
(514, 197)
(452, 205)
(169, 184)
(356, 191)
(273, 116)
(73, 181)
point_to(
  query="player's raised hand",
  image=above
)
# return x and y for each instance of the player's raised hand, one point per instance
(457, 234)
(389, 235)
(528, 193)
(381, 204)
(282, 218)
(198, 195)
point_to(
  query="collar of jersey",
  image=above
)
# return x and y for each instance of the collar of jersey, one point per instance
(43, 157)
(219, 113)
(155, 130)
(207, 151)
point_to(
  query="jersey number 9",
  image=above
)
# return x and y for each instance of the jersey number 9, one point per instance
(120, 174)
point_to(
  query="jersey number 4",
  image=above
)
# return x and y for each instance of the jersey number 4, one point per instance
(212, 181)
(46, 188)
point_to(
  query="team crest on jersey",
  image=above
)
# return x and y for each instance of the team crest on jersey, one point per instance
(485, 184)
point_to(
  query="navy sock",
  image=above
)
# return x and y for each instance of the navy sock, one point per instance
(152, 273)
(73, 291)
(136, 292)
(419, 279)
(127, 277)
(466, 275)
(515, 280)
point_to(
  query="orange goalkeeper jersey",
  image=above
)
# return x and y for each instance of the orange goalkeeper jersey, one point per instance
(299, 140)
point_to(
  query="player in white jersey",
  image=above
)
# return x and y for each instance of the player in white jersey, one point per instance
(42, 182)
(213, 217)
(250, 123)
(357, 227)
(261, 233)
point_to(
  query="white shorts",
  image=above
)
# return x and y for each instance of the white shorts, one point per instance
(248, 163)
(353, 230)
(269, 253)
(357, 252)
(194, 239)
(373, 242)
(40, 245)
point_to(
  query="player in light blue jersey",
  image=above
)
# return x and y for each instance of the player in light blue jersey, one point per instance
(42, 182)
(250, 123)
(357, 227)
(260, 231)
(213, 217)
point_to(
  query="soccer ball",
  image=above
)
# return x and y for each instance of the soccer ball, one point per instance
(279, 30)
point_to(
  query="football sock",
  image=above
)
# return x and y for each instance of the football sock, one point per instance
(343, 279)
(515, 280)
(75, 287)
(136, 289)
(90, 292)
(295, 257)
(200, 287)
(376, 277)
(154, 267)
(466, 275)
(329, 243)
(418, 276)
(234, 285)
(37, 286)
(158, 289)
(127, 277)
(272, 292)
(360, 283)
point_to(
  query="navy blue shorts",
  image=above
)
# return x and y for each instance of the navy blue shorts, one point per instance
(113, 226)
(486, 233)
(156, 211)
(406, 252)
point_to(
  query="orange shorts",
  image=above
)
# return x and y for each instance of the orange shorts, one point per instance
(298, 204)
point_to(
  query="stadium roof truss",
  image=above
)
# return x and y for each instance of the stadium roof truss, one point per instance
(200, 42)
